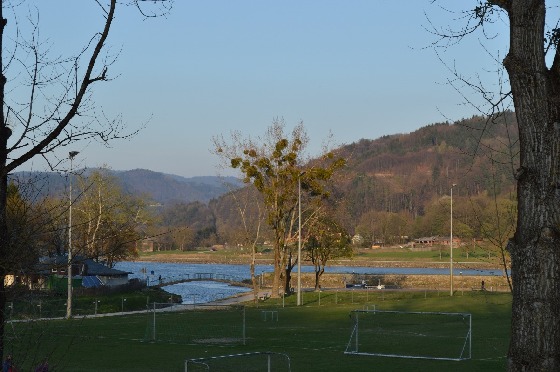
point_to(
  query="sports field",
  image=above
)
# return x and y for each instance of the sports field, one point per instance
(314, 336)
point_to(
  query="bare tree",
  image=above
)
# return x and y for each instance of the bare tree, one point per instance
(533, 67)
(246, 201)
(107, 220)
(59, 106)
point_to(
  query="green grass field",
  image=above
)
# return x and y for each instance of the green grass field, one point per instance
(484, 254)
(314, 335)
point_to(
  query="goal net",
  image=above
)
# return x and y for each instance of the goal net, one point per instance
(256, 361)
(422, 335)
(203, 324)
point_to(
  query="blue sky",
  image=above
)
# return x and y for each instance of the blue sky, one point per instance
(356, 69)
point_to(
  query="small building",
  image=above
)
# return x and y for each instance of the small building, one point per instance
(428, 240)
(437, 240)
(51, 273)
(95, 274)
(445, 241)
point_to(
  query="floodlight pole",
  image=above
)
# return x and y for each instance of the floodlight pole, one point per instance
(299, 243)
(71, 155)
(451, 245)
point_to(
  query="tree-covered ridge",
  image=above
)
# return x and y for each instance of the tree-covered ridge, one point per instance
(399, 185)
(403, 172)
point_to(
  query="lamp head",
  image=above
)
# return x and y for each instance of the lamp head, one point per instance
(71, 154)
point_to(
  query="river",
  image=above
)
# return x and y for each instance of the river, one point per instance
(206, 291)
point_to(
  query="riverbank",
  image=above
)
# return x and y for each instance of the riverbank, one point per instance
(391, 281)
(213, 257)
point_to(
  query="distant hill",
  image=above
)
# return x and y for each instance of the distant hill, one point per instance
(168, 188)
(160, 187)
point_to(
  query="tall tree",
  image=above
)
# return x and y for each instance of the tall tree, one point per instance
(59, 91)
(274, 165)
(533, 67)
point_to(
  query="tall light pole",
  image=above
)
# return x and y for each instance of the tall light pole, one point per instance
(451, 245)
(71, 155)
(299, 243)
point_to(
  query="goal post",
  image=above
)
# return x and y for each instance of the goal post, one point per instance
(419, 335)
(253, 361)
(203, 324)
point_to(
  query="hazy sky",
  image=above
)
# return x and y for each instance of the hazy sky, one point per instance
(358, 69)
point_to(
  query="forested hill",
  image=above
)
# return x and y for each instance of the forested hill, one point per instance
(159, 187)
(404, 172)
(405, 179)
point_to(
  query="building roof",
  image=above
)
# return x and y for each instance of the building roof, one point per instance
(91, 267)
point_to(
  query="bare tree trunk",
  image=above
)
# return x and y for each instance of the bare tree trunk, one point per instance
(253, 277)
(277, 269)
(289, 268)
(319, 271)
(535, 248)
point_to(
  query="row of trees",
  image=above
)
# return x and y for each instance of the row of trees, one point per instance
(219, 222)
(473, 217)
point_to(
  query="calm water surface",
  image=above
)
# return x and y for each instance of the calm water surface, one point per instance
(206, 291)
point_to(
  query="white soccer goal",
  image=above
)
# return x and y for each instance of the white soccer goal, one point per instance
(421, 335)
(204, 324)
(256, 361)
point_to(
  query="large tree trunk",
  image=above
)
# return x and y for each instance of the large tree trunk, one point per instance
(535, 247)
(288, 279)
(277, 269)
(253, 277)
(319, 271)
(289, 268)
